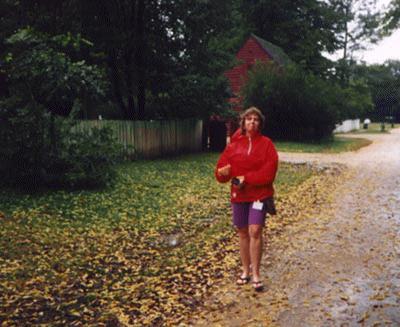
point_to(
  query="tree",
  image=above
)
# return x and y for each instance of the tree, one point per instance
(208, 36)
(38, 146)
(300, 105)
(154, 48)
(391, 19)
(303, 28)
(149, 48)
(40, 71)
(384, 83)
(358, 27)
(295, 103)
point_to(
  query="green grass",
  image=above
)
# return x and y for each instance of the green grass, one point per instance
(111, 244)
(337, 145)
(374, 128)
(144, 189)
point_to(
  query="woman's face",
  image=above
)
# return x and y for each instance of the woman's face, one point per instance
(252, 123)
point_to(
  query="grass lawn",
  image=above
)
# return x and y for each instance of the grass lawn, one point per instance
(376, 128)
(338, 144)
(142, 252)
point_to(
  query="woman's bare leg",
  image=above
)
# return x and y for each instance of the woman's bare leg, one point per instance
(244, 244)
(256, 240)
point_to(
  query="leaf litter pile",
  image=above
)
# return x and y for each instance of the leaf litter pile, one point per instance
(143, 252)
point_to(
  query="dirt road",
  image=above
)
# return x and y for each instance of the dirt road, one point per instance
(341, 265)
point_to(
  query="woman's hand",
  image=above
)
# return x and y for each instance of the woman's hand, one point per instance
(224, 171)
(238, 182)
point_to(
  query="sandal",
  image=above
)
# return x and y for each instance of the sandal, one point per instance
(258, 286)
(243, 280)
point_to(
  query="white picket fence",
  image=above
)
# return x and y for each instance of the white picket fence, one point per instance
(347, 126)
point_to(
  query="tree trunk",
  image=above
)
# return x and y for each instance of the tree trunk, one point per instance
(116, 86)
(346, 42)
(129, 84)
(346, 36)
(105, 16)
(140, 64)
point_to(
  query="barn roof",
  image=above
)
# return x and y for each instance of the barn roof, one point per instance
(277, 53)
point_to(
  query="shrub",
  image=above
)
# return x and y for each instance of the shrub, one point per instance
(38, 149)
(298, 105)
(24, 141)
(37, 146)
(45, 70)
(88, 158)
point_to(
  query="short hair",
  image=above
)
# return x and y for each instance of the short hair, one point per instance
(249, 111)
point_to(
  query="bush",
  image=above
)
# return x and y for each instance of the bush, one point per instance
(88, 158)
(37, 146)
(38, 149)
(298, 105)
(357, 100)
(24, 139)
(45, 70)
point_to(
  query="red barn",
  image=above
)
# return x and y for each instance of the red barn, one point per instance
(254, 49)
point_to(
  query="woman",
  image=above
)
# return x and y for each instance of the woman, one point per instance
(250, 162)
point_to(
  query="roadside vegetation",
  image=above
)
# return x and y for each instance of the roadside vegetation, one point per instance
(338, 144)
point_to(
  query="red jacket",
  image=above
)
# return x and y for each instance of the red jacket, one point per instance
(254, 158)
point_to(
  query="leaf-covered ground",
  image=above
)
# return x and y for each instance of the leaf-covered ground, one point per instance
(143, 252)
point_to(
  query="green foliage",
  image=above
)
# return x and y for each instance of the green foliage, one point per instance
(174, 69)
(24, 141)
(358, 24)
(358, 27)
(41, 69)
(47, 79)
(298, 105)
(196, 96)
(38, 149)
(149, 57)
(383, 82)
(85, 159)
(304, 29)
(295, 103)
(391, 20)
(357, 100)
(197, 88)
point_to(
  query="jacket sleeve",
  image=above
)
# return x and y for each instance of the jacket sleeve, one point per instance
(266, 174)
(223, 161)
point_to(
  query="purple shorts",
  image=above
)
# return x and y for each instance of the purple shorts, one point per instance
(243, 214)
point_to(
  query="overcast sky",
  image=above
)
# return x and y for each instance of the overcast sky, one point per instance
(387, 48)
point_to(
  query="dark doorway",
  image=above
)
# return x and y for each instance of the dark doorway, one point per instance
(217, 135)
